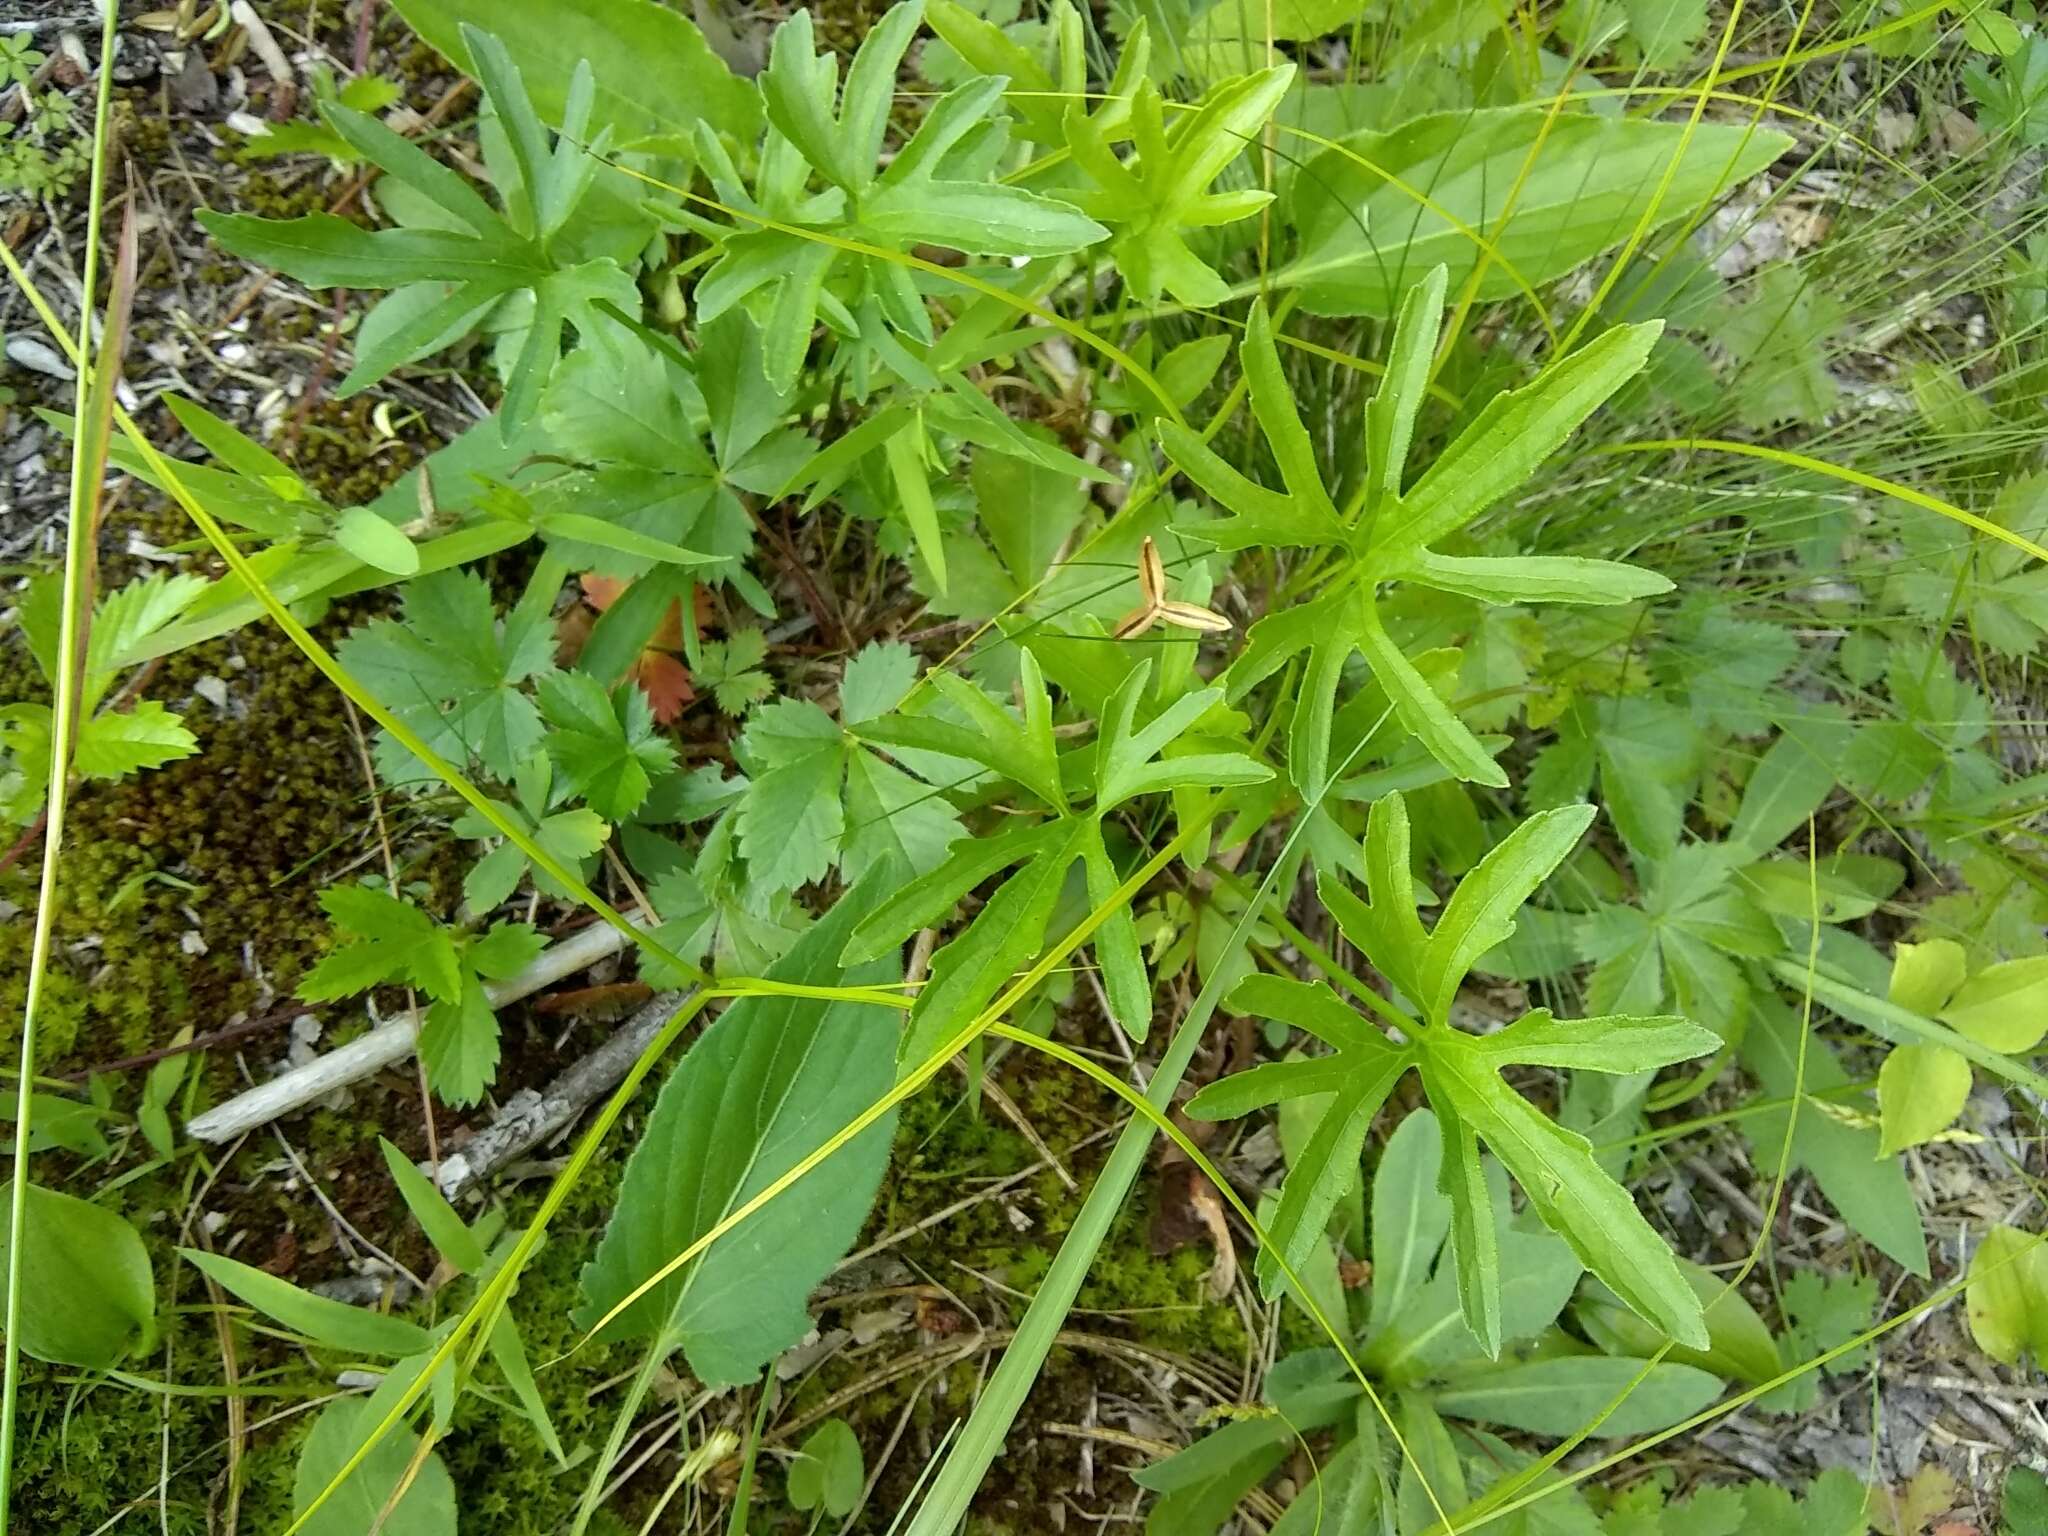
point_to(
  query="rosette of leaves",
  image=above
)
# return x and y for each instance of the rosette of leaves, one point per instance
(1462, 1075)
(1068, 799)
(454, 258)
(1387, 533)
(795, 256)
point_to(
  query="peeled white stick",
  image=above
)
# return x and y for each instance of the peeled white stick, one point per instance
(296, 1087)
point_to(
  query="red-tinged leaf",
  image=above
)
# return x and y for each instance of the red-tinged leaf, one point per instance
(666, 682)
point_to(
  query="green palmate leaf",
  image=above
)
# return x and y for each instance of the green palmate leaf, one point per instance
(1590, 180)
(451, 672)
(443, 279)
(1131, 759)
(938, 188)
(792, 818)
(603, 742)
(730, 669)
(1513, 435)
(393, 941)
(1566, 1186)
(818, 797)
(1164, 189)
(765, 1085)
(425, 1508)
(1686, 943)
(332, 1323)
(87, 1295)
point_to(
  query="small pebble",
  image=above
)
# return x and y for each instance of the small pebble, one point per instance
(38, 357)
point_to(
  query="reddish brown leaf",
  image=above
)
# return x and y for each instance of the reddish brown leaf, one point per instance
(666, 682)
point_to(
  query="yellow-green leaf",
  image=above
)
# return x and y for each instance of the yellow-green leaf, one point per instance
(2007, 1295)
(1920, 1091)
(1925, 976)
(2004, 1006)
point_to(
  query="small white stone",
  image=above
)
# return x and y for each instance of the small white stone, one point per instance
(192, 942)
(38, 356)
(213, 690)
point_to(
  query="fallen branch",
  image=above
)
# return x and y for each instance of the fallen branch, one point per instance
(388, 1044)
(530, 1118)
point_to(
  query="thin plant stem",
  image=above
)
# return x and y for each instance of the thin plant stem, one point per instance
(88, 455)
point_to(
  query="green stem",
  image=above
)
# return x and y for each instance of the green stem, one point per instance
(88, 449)
(982, 1439)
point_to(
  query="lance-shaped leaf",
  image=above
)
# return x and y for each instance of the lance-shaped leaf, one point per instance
(1357, 1078)
(767, 1084)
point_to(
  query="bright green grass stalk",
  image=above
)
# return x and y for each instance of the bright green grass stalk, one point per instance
(88, 455)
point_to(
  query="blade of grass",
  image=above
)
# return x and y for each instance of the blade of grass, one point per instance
(1792, 460)
(88, 462)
